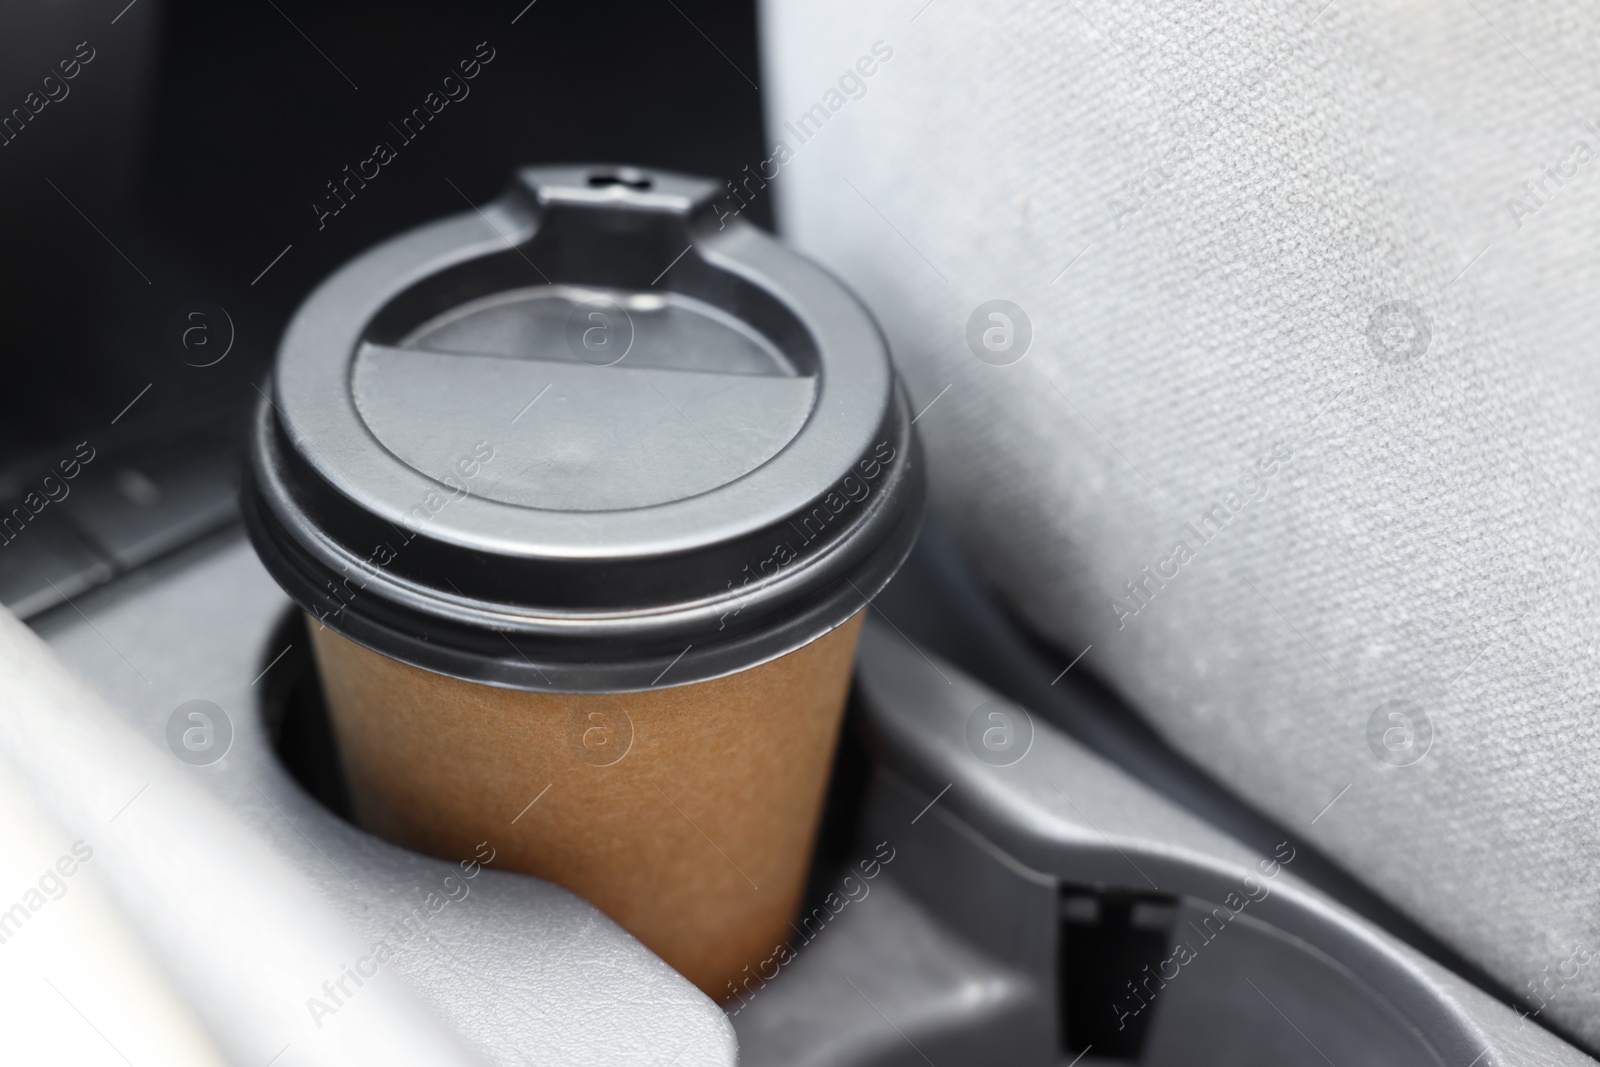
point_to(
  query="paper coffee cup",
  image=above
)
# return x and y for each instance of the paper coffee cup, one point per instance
(584, 494)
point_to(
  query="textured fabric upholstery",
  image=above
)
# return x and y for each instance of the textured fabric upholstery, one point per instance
(1305, 301)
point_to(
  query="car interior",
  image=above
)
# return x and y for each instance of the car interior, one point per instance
(944, 532)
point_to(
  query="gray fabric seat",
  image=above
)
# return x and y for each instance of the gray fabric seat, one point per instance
(1288, 418)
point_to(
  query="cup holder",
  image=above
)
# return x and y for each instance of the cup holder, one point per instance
(297, 719)
(1122, 975)
(302, 738)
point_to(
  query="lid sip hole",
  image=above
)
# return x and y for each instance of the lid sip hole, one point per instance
(632, 179)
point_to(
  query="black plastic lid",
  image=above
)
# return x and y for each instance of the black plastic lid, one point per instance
(584, 438)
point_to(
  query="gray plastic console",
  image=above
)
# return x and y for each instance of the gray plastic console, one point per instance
(986, 915)
(963, 953)
(523, 970)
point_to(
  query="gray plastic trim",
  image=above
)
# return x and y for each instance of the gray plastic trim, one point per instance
(953, 956)
(521, 970)
(983, 850)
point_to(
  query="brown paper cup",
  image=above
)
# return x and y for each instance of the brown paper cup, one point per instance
(722, 463)
(686, 814)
